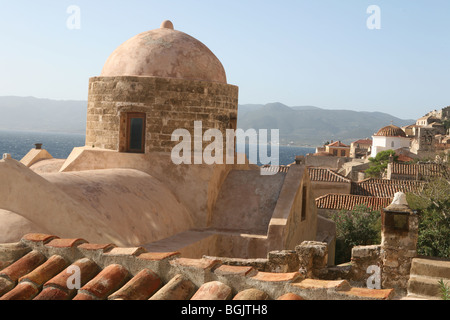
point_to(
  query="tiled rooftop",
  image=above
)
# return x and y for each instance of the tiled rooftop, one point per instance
(363, 141)
(325, 175)
(384, 188)
(276, 169)
(338, 144)
(45, 267)
(418, 169)
(350, 201)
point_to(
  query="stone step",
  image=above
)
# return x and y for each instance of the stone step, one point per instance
(431, 268)
(425, 286)
(418, 297)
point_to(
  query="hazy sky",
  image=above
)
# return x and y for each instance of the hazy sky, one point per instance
(299, 52)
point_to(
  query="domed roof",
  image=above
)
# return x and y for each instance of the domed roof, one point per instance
(391, 131)
(165, 53)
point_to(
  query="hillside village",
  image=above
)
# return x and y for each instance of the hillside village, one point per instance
(139, 226)
(338, 171)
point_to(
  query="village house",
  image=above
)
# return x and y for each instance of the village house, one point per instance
(389, 138)
(360, 148)
(338, 149)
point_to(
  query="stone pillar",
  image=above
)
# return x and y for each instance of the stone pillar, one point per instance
(313, 259)
(364, 258)
(399, 236)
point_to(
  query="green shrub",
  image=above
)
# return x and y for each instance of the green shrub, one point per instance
(379, 164)
(444, 289)
(433, 207)
(361, 226)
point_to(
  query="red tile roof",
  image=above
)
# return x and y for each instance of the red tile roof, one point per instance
(391, 131)
(338, 144)
(385, 188)
(363, 141)
(276, 169)
(326, 175)
(418, 170)
(45, 267)
(350, 201)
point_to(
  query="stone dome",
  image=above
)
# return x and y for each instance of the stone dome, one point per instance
(391, 131)
(165, 53)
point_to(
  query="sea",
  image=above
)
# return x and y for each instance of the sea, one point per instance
(60, 145)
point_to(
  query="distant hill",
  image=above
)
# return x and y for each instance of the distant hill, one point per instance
(303, 125)
(33, 114)
(312, 126)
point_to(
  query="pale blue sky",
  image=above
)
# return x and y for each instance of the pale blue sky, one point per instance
(298, 52)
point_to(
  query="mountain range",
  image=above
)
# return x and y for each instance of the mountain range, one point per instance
(313, 126)
(300, 126)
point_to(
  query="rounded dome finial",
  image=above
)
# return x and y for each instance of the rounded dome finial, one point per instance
(167, 24)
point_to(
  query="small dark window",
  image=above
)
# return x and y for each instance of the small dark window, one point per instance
(335, 153)
(136, 132)
(396, 221)
(304, 202)
(342, 153)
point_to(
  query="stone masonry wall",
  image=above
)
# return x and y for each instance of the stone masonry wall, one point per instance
(169, 104)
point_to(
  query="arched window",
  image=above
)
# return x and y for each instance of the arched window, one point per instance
(392, 144)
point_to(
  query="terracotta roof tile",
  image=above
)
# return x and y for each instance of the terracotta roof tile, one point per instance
(103, 271)
(276, 169)
(91, 246)
(23, 291)
(350, 201)
(363, 141)
(65, 243)
(52, 293)
(326, 175)
(23, 266)
(134, 251)
(338, 144)
(141, 287)
(39, 237)
(178, 288)
(87, 270)
(105, 283)
(214, 290)
(235, 270)
(50, 268)
(382, 294)
(157, 256)
(276, 277)
(418, 170)
(290, 296)
(196, 263)
(323, 284)
(251, 294)
(384, 188)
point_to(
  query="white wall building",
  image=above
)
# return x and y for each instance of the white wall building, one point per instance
(389, 138)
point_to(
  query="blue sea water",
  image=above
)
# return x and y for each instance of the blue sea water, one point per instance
(60, 145)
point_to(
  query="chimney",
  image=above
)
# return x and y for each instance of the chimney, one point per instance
(38, 146)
